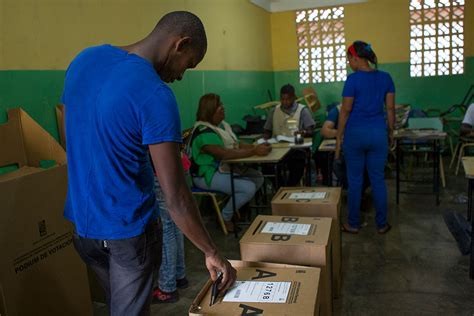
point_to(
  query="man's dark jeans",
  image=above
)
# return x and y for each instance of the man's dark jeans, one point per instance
(125, 268)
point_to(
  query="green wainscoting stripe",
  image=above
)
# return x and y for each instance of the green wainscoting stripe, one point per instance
(425, 92)
(38, 92)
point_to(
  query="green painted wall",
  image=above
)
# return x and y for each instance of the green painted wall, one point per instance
(422, 93)
(38, 92)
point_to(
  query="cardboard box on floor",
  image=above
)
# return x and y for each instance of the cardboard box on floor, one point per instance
(304, 201)
(293, 240)
(40, 272)
(300, 286)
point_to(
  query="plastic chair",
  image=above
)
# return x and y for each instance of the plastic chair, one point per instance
(434, 123)
(217, 204)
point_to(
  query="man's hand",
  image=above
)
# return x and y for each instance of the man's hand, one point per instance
(263, 149)
(216, 263)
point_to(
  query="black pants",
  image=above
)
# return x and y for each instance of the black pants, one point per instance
(125, 268)
(295, 161)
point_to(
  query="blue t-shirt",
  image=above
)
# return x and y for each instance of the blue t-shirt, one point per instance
(368, 88)
(333, 116)
(116, 105)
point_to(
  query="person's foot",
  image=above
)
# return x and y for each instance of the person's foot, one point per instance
(348, 229)
(182, 283)
(384, 229)
(160, 296)
(231, 227)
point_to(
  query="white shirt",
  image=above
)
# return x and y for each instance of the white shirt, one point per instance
(469, 116)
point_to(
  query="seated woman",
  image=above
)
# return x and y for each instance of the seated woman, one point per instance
(213, 141)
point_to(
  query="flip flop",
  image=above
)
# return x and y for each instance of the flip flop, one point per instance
(348, 229)
(384, 229)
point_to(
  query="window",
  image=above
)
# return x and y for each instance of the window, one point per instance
(436, 37)
(321, 45)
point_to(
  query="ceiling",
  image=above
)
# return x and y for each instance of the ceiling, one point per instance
(291, 5)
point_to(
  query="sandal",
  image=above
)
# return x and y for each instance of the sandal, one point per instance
(384, 229)
(348, 229)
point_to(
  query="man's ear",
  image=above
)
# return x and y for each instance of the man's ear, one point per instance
(183, 44)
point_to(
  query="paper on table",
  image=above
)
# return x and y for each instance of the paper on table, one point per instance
(267, 141)
(308, 196)
(258, 292)
(307, 144)
(286, 228)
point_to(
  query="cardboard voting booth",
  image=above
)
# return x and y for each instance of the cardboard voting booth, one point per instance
(40, 271)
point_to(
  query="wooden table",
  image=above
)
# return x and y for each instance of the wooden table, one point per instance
(274, 157)
(415, 135)
(468, 164)
(328, 147)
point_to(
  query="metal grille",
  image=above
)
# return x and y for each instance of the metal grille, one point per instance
(436, 37)
(321, 45)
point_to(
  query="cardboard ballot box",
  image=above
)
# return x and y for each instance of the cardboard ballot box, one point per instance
(322, 202)
(263, 289)
(293, 240)
(40, 272)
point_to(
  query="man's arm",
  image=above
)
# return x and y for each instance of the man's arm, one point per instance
(466, 129)
(223, 153)
(184, 211)
(308, 123)
(328, 130)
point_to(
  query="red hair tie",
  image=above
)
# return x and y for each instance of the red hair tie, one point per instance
(352, 51)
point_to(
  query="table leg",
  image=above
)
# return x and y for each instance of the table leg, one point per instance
(436, 170)
(469, 199)
(329, 160)
(471, 265)
(232, 189)
(277, 176)
(308, 167)
(397, 170)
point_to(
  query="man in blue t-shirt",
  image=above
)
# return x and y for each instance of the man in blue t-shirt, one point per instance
(119, 111)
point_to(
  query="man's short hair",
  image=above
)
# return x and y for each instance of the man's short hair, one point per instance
(184, 23)
(287, 89)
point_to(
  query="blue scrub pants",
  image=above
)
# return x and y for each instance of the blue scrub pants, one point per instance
(366, 148)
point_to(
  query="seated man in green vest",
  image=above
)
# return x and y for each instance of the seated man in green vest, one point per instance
(277, 124)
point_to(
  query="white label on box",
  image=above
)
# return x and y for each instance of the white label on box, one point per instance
(258, 292)
(286, 228)
(308, 196)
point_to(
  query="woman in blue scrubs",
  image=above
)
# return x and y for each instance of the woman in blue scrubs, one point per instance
(364, 132)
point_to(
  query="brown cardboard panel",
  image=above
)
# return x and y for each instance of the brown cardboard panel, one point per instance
(60, 117)
(311, 249)
(39, 144)
(327, 207)
(11, 140)
(23, 171)
(40, 272)
(302, 298)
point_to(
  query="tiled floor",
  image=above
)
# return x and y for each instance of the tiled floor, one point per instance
(416, 269)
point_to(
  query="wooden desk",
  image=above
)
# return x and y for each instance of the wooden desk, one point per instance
(468, 164)
(274, 156)
(417, 135)
(328, 145)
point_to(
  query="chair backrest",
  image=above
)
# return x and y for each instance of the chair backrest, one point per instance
(434, 123)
